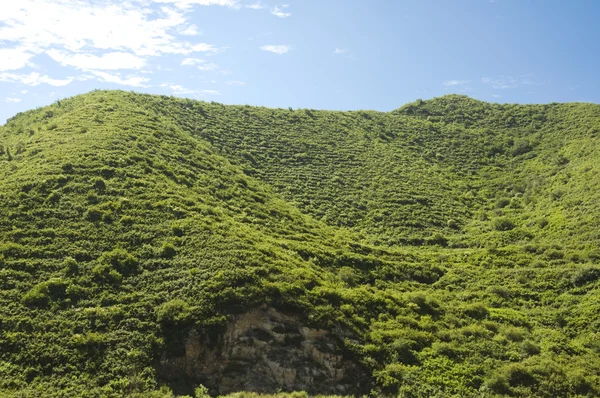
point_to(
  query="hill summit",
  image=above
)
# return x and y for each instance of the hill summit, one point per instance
(156, 246)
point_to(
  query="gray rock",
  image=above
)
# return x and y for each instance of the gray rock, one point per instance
(265, 350)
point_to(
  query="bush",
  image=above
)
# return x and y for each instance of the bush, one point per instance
(121, 261)
(502, 203)
(99, 184)
(168, 250)
(586, 275)
(174, 312)
(503, 224)
(438, 239)
(104, 273)
(476, 311)
(452, 224)
(127, 220)
(94, 214)
(70, 266)
(554, 254)
(54, 197)
(42, 293)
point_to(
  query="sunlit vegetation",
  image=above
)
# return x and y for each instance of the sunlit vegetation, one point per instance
(457, 240)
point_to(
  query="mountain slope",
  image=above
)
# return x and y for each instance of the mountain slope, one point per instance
(448, 247)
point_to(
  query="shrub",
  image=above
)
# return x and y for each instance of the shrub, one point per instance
(99, 184)
(43, 292)
(476, 311)
(502, 203)
(94, 214)
(554, 254)
(54, 197)
(177, 230)
(452, 224)
(70, 266)
(168, 250)
(104, 273)
(202, 392)
(174, 312)
(503, 224)
(515, 334)
(121, 261)
(528, 347)
(586, 275)
(438, 239)
(126, 220)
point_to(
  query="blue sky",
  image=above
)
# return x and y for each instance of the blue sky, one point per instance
(322, 54)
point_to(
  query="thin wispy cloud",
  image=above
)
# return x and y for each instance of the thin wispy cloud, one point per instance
(130, 80)
(33, 79)
(508, 82)
(344, 52)
(450, 83)
(190, 30)
(208, 67)
(255, 6)
(278, 11)
(192, 61)
(277, 49)
(235, 83)
(113, 60)
(180, 90)
(12, 100)
(188, 3)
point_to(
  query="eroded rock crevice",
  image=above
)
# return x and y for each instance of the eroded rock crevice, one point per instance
(265, 350)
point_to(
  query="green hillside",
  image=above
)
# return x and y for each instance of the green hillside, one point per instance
(447, 248)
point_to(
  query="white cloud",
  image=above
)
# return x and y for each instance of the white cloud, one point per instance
(277, 49)
(496, 96)
(12, 100)
(34, 79)
(192, 61)
(105, 39)
(131, 80)
(255, 6)
(189, 3)
(24, 91)
(14, 58)
(208, 67)
(180, 90)
(278, 11)
(190, 30)
(506, 82)
(200, 63)
(338, 51)
(78, 25)
(455, 82)
(114, 60)
(500, 83)
(235, 83)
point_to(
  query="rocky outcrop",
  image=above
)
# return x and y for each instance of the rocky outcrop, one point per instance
(265, 350)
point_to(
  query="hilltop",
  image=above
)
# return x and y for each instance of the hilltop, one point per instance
(151, 244)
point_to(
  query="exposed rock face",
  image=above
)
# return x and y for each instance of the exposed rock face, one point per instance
(265, 350)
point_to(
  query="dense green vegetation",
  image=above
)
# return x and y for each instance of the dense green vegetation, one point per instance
(456, 239)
